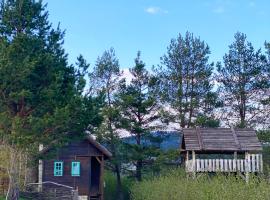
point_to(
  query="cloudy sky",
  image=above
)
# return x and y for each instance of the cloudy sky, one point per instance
(93, 26)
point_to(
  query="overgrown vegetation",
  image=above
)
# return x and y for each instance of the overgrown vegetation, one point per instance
(175, 185)
(111, 186)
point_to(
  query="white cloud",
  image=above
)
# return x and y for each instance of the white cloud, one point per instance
(219, 10)
(251, 3)
(155, 10)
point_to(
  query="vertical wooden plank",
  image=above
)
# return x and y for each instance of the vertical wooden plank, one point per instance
(230, 165)
(253, 164)
(221, 165)
(242, 165)
(261, 163)
(210, 165)
(257, 162)
(214, 165)
(193, 163)
(202, 165)
(238, 167)
(217, 165)
(197, 165)
(234, 165)
(205, 165)
(226, 164)
(247, 166)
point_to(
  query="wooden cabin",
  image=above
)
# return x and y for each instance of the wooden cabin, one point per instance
(221, 150)
(80, 165)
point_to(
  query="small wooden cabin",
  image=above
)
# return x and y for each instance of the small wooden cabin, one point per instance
(221, 149)
(80, 165)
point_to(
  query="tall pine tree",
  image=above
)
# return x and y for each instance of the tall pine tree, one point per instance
(139, 110)
(242, 83)
(40, 93)
(105, 79)
(186, 76)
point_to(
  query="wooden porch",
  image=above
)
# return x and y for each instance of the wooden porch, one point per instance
(251, 163)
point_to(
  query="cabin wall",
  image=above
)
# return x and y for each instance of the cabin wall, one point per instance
(76, 151)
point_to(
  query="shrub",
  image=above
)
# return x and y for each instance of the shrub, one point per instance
(110, 186)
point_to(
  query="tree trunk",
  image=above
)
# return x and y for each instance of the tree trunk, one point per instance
(119, 191)
(139, 170)
(13, 172)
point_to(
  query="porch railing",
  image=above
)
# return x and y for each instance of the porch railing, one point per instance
(252, 163)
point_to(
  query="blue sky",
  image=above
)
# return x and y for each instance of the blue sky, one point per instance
(93, 26)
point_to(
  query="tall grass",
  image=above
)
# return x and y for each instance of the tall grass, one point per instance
(110, 186)
(176, 186)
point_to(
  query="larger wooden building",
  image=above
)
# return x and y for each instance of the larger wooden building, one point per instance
(222, 150)
(80, 165)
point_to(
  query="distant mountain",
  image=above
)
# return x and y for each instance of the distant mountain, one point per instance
(165, 140)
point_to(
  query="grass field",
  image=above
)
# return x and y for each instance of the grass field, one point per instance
(175, 185)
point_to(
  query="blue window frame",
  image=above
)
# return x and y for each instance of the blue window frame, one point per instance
(58, 168)
(75, 168)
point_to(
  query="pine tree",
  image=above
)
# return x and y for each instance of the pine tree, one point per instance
(106, 79)
(40, 93)
(186, 76)
(243, 83)
(139, 109)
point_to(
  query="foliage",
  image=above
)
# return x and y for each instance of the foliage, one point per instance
(243, 83)
(105, 79)
(139, 108)
(186, 79)
(41, 95)
(175, 185)
(110, 190)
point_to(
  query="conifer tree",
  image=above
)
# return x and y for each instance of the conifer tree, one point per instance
(41, 95)
(139, 106)
(186, 80)
(242, 83)
(105, 79)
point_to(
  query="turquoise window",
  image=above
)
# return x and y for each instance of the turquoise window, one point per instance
(75, 169)
(58, 169)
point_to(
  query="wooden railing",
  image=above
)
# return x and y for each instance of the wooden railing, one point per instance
(252, 163)
(49, 190)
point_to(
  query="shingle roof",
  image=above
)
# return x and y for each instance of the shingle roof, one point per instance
(92, 141)
(220, 139)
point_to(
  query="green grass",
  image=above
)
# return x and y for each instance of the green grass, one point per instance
(175, 185)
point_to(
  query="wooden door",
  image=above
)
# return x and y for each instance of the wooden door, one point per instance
(82, 182)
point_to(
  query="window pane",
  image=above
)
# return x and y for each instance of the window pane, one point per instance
(75, 169)
(58, 168)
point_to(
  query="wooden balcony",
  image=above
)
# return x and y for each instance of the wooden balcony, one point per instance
(251, 163)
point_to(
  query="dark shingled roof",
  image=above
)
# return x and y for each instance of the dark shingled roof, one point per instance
(92, 141)
(220, 139)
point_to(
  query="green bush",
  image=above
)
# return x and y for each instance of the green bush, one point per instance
(110, 186)
(176, 186)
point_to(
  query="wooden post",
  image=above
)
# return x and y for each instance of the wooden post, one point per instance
(261, 163)
(40, 170)
(247, 166)
(102, 178)
(235, 155)
(186, 161)
(193, 164)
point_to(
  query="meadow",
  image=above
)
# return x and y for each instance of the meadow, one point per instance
(176, 185)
